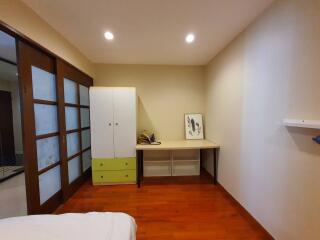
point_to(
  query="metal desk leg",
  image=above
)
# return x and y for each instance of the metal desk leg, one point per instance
(215, 165)
(139, 167)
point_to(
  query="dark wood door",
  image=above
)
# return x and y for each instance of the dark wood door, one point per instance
(55, 127)
(73, 96)
(42, 151)
(6, 130)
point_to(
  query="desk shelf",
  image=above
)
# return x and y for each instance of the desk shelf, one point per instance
(313, 124)
(176, 158)
(156, 161)
(186, 160)
(172, 163)
(157, 168)
(186, 167)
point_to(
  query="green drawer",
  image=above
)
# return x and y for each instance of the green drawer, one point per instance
(102, 164)
(105, 177)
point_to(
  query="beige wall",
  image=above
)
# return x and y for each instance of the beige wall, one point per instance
(165, 94)
(270, 72)
(17, 15)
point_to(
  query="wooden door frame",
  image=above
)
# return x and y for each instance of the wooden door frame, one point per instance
(27, 115)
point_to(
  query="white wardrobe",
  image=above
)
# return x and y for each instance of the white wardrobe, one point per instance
(113, 134)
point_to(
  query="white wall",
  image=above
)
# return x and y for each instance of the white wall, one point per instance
(270, 72)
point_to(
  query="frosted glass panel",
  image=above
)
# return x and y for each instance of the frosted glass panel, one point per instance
(71, 118)
(47, 152)
(73, 144)
(85, 138)
(46, 118)
(86, 160)
(74, 169)
(49, 183)
(85, 117)
(70, 91)
(84, 95)
(43, 84)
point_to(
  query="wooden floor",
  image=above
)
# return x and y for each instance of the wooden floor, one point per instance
(184, 208)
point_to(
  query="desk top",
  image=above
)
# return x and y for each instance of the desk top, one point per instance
(182, 144)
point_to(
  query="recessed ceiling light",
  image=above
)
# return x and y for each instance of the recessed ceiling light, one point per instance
(108, 35)
(190, 38)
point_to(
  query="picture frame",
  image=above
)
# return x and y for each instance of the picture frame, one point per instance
(193, 126)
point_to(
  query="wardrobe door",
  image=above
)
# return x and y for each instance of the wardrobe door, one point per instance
(124, 102)
(101, 117)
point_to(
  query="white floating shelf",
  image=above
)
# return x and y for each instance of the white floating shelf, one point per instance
(314, 124)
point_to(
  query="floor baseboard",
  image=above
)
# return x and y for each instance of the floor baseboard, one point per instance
(245, 213)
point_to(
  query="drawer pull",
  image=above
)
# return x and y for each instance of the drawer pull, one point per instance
(101, 164)
(126, 164)
(101, 176)
(127, 175)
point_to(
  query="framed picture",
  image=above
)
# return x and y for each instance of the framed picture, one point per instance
(193, 126)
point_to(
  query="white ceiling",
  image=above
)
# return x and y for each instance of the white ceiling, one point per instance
(149, 31)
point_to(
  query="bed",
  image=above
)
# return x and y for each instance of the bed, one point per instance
(71, 226)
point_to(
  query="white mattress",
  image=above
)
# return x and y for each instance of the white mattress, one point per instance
(72, 226)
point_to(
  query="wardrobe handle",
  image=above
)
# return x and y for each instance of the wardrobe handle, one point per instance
(117, 124)
(109, 124)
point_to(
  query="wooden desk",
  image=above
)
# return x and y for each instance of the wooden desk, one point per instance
(176, 145)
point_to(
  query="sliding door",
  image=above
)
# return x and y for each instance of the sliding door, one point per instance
(56, 128)
(40, 129)
(75, 129)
